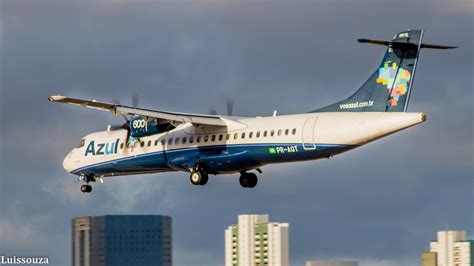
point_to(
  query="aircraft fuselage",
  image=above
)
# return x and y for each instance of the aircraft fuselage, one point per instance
(249, 144)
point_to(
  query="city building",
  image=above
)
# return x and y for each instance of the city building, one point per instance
(464, 253)
(428, 259)
(121, 240)
(255, 241)
(332, 263)
(452, 249)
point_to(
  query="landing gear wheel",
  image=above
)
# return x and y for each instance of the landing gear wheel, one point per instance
(199, 177)
(86, 188)
(205, 178)
(253, 180)
(248, 180)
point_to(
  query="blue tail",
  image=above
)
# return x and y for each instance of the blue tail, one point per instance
(388, 88)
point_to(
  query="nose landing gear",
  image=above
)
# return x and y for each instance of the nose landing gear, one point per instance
(86, 188)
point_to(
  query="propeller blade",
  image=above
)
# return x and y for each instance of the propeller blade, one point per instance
(135, 99)
(116, 101)
(230, 105)
(212, 111)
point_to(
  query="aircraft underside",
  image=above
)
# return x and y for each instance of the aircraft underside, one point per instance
(223, 159)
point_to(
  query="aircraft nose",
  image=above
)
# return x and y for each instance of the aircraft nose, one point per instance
(67, 165)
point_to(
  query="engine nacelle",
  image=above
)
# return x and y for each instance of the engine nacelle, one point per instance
(140, 127)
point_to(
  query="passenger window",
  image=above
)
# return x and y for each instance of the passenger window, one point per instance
(279, 132)
(236, 135)
(163, 141)
(287, 131)
(206, 138)
(227, 137)
(221, 137)
(198, 139)
(156, 142)
(213, 138)
(243, 135)
(191, 139)
(250, 135)
(265, 134)
(149, 143)
(184, 140)
(176, 141)
(121, 145)
(272, 133)
(170, 141)
(294, 131)
(258, 134)
(142, 143)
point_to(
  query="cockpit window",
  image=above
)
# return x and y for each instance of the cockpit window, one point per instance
(83, 141)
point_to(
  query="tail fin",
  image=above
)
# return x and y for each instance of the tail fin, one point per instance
(388, 88)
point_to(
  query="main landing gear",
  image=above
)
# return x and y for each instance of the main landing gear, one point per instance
(248, 180)
(199, 176)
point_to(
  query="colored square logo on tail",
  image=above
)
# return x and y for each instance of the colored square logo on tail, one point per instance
(396, 79)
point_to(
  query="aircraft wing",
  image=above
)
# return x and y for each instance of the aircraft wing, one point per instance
(211, 120)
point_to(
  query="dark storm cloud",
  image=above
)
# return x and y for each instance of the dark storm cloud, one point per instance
(380, 204)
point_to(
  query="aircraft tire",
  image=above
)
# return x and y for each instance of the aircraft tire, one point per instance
(248, 180)
(204, 178)
(198, 178)
(253, 180)
(86, 188)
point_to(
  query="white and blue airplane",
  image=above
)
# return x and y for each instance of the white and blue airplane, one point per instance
(153, 141)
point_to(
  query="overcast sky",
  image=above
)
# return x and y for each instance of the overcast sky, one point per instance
(380, 204)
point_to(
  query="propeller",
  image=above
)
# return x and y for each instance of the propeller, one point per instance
(212, 111)
(229, 102)
(116, 101)
(135, 101)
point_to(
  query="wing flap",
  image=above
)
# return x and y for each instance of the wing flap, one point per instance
(212, 120)
(83, 103)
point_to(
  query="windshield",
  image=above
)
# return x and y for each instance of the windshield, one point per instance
(83, 141)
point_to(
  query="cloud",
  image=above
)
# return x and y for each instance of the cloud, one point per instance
(65, 190)
(464, 7)
(127, 194)
(294, 57)
(18, 230)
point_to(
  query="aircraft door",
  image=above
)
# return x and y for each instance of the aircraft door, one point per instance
(308, 133)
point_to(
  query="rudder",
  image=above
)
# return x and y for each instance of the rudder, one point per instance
(388, 89)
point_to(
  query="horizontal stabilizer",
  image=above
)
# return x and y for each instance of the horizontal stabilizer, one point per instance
(389, 87)
(436, 46)
(407, 44)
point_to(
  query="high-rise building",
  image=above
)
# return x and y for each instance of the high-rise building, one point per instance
(121, 240)
(254, 241)
(332, 263)
(464, 253)
(452, 249)
(428, 259)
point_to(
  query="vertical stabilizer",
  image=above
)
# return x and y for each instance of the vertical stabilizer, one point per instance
(388, 89)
